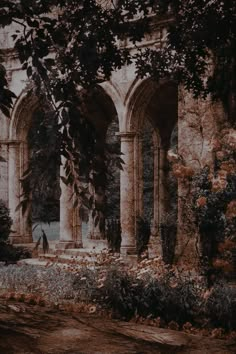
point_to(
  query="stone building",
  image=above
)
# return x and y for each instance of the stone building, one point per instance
(162, 111)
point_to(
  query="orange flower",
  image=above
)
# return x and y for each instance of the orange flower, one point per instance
(226, 245)
(231, 210)
(231, 138)
(220, 264)
(201, 201)
(228, 167)
(216, 145)
(218, 183)
(181, 171)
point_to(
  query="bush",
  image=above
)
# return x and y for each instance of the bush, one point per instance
(220, 307)
(127, 296)
(170, 300)
(121, 294)
(10, 253)
(85, 285)
(5, 222)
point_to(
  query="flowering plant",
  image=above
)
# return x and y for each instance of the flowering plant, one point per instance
(214, 196)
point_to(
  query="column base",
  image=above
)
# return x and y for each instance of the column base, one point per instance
(19, 239)
(128, 250)
(64, 245)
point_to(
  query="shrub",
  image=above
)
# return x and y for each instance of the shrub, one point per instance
(121, 294)
(85, 285)
(214, 197)
(220, 307)
(10, 253)
(5, 222)
(127, 296)
(169, 299)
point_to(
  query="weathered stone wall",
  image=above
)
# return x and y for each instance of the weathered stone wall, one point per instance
(199, 121)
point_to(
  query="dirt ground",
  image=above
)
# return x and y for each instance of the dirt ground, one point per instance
(26, 329)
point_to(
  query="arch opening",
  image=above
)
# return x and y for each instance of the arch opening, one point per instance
(100, 111)
(30, 139)
(154, 117)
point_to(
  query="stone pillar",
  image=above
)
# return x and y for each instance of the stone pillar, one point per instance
(17, 164)
(14, 189)
(138, 175)
(77, 228)
(154, 245)
(70, 224)
(127, 209)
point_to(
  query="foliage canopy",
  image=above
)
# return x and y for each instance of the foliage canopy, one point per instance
(66, 45)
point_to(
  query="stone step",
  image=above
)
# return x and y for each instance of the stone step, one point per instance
(76, 259)
(82, 252)
(33, 261)
(47, 256)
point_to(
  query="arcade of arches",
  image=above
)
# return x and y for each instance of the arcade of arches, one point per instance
(147, 120)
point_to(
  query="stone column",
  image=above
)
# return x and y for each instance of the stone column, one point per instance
(138, 174)
(70, 228)
(127, 205)
(14, 189)
(154, 245)
(77, 228)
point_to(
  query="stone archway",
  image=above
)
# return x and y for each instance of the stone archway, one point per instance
(100, 110)
(157, 104)
(18, 156)
(19, 151)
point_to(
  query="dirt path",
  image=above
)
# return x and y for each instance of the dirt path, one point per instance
(33, 329)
